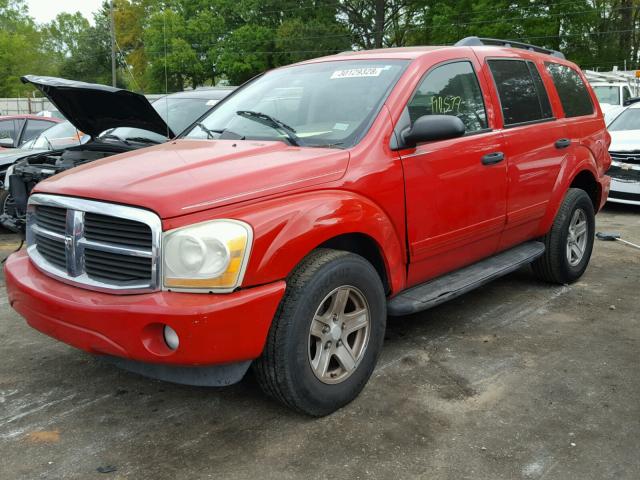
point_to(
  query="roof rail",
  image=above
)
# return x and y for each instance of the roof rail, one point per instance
(478, 42)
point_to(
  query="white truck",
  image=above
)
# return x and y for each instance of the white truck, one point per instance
(614, 90)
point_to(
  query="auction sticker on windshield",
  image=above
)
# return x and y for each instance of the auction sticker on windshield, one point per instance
(357, 73)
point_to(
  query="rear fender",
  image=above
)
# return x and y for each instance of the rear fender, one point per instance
(583, 160)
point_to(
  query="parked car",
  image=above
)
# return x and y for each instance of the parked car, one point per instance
(15, 130)
(61, 135)
(625, 156)
(283, 226)
(115, 121)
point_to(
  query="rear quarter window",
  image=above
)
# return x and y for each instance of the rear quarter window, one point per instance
(572, 91)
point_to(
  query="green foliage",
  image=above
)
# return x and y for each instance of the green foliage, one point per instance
(169, 45)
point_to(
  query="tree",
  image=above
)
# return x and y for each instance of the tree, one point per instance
(246, 52)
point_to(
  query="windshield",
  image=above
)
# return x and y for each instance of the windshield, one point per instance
(627, 120)
(608, 94)
(62, 135)
(180, 112)
(318, 104)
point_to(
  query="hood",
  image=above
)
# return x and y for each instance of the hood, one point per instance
(94, 108)
(11, 156)
(625, 141)
(186, 176)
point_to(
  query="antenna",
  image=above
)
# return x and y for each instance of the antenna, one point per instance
(166, 78)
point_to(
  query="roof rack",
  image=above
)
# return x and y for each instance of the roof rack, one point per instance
(478, 42)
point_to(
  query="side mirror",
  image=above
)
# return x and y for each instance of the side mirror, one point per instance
(433, 127)
(6, 142)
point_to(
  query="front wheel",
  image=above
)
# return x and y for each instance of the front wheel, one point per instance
(569, 243)
(327, 334)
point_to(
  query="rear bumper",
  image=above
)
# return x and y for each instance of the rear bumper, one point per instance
(213, 329)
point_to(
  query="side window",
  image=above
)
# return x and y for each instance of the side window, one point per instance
(451, 89)
(572, 91)
(523, 97)
(34, 127)
(626, 95)
(7, 130)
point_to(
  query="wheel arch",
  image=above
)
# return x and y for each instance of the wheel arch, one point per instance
(586, 180)
(579, 172)
(286, 230)
(365, 246)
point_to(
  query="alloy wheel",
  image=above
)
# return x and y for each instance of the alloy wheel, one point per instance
(339, 334)
(577, 237)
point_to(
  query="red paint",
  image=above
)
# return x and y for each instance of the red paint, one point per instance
(212, 328)
(429, 210)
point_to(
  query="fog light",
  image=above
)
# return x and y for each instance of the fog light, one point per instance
(171, 337)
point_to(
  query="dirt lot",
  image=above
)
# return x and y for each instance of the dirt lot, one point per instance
(516, 380)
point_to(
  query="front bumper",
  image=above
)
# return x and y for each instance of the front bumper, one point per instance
(625, 183)
(213, 329)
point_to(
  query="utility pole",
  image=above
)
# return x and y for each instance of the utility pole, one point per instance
(113, 46)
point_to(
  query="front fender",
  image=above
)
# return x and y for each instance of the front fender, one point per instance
(287, 229)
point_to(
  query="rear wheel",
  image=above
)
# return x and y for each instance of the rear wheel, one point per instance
(569, 243)
(327, 334)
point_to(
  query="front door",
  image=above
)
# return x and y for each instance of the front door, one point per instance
(455, 189)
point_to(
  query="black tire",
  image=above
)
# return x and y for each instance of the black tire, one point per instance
(554, 266)
(4, 196)
(284, 370)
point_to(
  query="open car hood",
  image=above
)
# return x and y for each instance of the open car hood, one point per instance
(94, 108)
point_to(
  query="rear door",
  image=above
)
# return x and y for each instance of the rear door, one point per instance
(535, 145)
(455, 202)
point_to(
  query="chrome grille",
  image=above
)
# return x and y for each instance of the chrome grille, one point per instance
(52, 219)
(96, 245)
(52, 251)
(625, 157)
(103, 228)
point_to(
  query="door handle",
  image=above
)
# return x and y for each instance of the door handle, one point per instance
(563, 143)
(492, 158)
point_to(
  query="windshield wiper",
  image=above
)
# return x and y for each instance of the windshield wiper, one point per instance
(48, 142)
(143, 140)
(272, 122)
(324, 145)
(111, 136)
(208, 131)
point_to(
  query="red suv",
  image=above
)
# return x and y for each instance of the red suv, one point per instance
(285, 224)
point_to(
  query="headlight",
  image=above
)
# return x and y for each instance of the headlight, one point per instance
(208, 256)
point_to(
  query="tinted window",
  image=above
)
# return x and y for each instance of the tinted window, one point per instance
(451, 89)
(572, 91)
(35, 127)
(627, 120)
(543, 97)
(7, 130)
(626, 94)
(522, 94)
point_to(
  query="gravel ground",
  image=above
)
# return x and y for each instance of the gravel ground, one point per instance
(518, 379)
